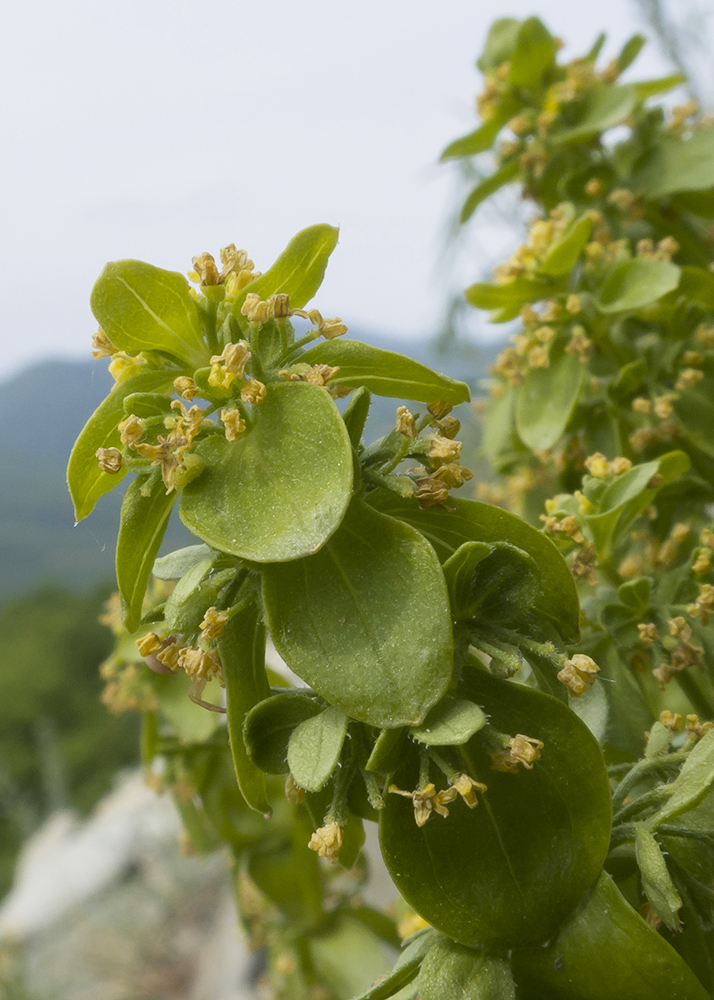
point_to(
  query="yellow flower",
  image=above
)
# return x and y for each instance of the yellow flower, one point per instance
(253, 392)
(186, 387)
(431, 492)
(327, 841)
(466, 787)
(578, 674)
(597, 465)
(102, 345)
(648, 632)
(439, 408)
(405, 422)
(213, 624)
(110, 460)
(520, 749)
(131, 430)
(233, 423)
(427, 800)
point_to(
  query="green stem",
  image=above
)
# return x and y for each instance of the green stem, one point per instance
(642, 770)
(655, 797)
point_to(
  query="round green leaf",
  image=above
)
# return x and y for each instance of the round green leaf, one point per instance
(509, 871)
(314, 748)
(366, 621)
(605, 950)
(637, 283)
(452, 972)
(546, 400)
(270, 724)
(144, 308)
(470, 520)
(451, 722)
(281, 490)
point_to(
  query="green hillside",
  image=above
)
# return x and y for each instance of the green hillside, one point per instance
(46, 406)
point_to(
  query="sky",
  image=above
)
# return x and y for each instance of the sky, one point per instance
(158, 129)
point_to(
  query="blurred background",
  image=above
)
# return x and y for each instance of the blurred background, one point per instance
(159, 129)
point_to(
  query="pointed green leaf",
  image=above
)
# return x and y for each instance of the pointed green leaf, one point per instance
(144, 308)
(656, 880)
(637, 283)
(629, 52)
(298, 271)
(483, 137)
(546, 400)
(348, 957)
(458, 573)
(509, 871)
(451, 971)
(387, 752)
(385, 373)
(366, 621)
(356, 413)
(651, 88)
(562, 256)
(487, 187)
(145, 514)
(628, 494)
(500, 42)
(510, 296)
(451, 722)
(176, 564)
(470, 520)
(678, 165)
(269, 725)
(315, 747)
(86, 481)
(533, 55)
(605, 950)
(691, 784)
(281, 490)
(603, 108)
(197, 590)
(242, 652)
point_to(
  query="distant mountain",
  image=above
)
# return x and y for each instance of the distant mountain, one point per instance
(42, 410)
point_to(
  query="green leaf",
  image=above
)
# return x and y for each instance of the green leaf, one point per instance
(176, 564)
(356, 413)
(452, 972)
(501, 40)
(697, 285)
(677, 165)
(637, 283)
(451, 722)
(562, 256)
(242, 652)
(144, 308)
(387, 752)
(605, 950)
(593, 709)
(628, 494)
(603, 108)
(269, 725)
(145, 514)
(385, 373)
(197, 590)
(315, 747)
(656, 880)
(508, 298)
(695, 412)
(458, 573)
(629, 52)
(651, 88)
(347, 958)
(290, 876)
(533, 55)
(509, 871)
(483, 137)
(699, 203)
(470, 520)
(298, 271)
(366, 621)
(281, 490)
(691, 784)
(546, 399)
(86, 481)
(488, 186)
(636, 595)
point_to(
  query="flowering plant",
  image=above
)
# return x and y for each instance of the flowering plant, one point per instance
(450, 682)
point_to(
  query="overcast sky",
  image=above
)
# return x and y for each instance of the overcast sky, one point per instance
(158, 129)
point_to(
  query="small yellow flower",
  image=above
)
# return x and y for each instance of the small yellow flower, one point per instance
(594, 187)
(110, 460)
(411, 923)
(131, 430)
(102, 345)
(431, 492)
(597, 466)
(688, 378)
(449, 427)
(439, 408)
(703, 563)
(578, 674)
(201, 664)
(618, 466)
(679, 628)
(235, 357)
(149, 644)
(573, 305)
(219, 376)
(647, 632)
(405, 422)
(538, 357)
(427, 800)
(123, 366)
(213, 624)
(233, 423)
(520, 749)
(680, 532)
(696, 728)
(466, 787)
(204, 267)
(253, 392)
(544, 334)
(186, 387)
(669, 721)
(641, 405)
(327, 841)
(443, 450)
(663, 405)
(453, 475)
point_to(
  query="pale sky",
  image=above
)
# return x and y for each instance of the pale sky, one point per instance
(158, 129)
